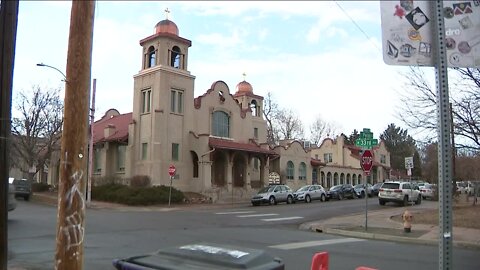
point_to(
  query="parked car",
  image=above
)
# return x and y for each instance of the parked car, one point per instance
(341, 191)
(360, 190)
(273, 194)
(399, 192)
(12, 202)
(310, 192)
(23, 188)
(427, 191)
(376, 188)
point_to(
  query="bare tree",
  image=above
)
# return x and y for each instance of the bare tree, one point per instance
(36, 130)
(281, 123)
(270, 109)
(320, 129)
(418, 102)
(289, 125)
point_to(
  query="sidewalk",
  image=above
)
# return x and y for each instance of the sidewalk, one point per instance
(379, 223)
(380, 226)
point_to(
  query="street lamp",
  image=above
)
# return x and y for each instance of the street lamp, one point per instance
(44, 65)
(90, 141)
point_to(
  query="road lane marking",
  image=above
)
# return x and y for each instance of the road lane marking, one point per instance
(258, 215)
(315, 243)
(234, 213)
(279, 219)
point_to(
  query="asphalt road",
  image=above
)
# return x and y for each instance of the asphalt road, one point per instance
(119, 234)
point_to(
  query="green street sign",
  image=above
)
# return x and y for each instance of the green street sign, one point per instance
(366, 140)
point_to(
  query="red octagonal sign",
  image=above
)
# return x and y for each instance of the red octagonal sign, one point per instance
(366, 161)
(171, 170)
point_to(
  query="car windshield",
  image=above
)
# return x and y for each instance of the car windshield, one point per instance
(266, 189)
(359, 186)
(305, 188)
(391, 185)
(335, 187)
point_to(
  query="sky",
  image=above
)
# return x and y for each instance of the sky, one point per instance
(317, 58)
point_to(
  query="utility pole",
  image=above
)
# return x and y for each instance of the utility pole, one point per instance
(73, 161)
(90, 145)
(8, 37)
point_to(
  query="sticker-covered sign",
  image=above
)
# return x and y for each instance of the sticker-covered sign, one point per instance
(408, 32)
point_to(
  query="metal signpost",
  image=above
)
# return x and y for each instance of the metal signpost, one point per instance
(171, 171)
(441, 34)
(366, 142)
(409, 166)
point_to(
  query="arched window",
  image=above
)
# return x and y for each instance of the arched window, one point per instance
(335, 179)
(175, 57)
(359, 179)
(302, 171)
(220, 124)
(253, 108)
(348, 178)
(354, 179)
(342, 178)
(290, 170)
(329, 179)
(151, 57)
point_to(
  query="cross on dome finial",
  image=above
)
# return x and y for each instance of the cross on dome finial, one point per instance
(167, 11)
(244, 75)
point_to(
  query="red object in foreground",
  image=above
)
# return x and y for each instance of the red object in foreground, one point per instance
(320, 261)
(366, 161)
(171, 170)
(365, 268)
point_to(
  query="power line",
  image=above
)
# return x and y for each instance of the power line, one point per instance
(358, 26)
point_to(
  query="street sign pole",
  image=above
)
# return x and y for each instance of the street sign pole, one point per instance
(366, 162)
(171, 171)
(170, 192)
(444, 150)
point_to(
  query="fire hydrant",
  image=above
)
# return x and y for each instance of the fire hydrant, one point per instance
(407, 221)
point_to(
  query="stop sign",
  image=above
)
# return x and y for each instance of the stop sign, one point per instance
(366, 161)
(171, 170)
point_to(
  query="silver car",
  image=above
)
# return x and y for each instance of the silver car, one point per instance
(273, 194)
(310, 192)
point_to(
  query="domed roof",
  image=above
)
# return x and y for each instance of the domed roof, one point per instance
(244, 87)
(166, 26)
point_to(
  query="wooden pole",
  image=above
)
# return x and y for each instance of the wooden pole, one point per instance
(8, 35)
(73, 161)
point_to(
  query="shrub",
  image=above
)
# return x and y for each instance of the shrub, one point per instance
(40, 187)
(136, 195)
(140, 181)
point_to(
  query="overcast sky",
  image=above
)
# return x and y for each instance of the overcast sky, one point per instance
(310, 55)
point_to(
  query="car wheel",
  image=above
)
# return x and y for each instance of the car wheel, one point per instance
(405, 201)
(289, 199)
(362, 195)
(340, 197)
(272, 200)
(254, 204)
(308, 199)
(419, 200)
(323, 198)
(381, 202)
(26, 197)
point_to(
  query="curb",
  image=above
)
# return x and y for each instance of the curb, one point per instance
(376, 236)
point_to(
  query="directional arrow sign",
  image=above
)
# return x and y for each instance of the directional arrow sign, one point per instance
(366, 161)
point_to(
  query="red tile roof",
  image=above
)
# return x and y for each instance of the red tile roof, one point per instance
(118, 122)
(247, 147)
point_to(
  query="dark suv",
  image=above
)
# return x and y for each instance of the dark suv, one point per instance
(23, 188)
(341, 191)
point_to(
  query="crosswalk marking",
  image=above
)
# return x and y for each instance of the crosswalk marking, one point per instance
(234, 213)
(315, 243)
(279, 219)
(257, 215)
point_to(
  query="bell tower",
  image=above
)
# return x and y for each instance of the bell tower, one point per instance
(163, 98)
